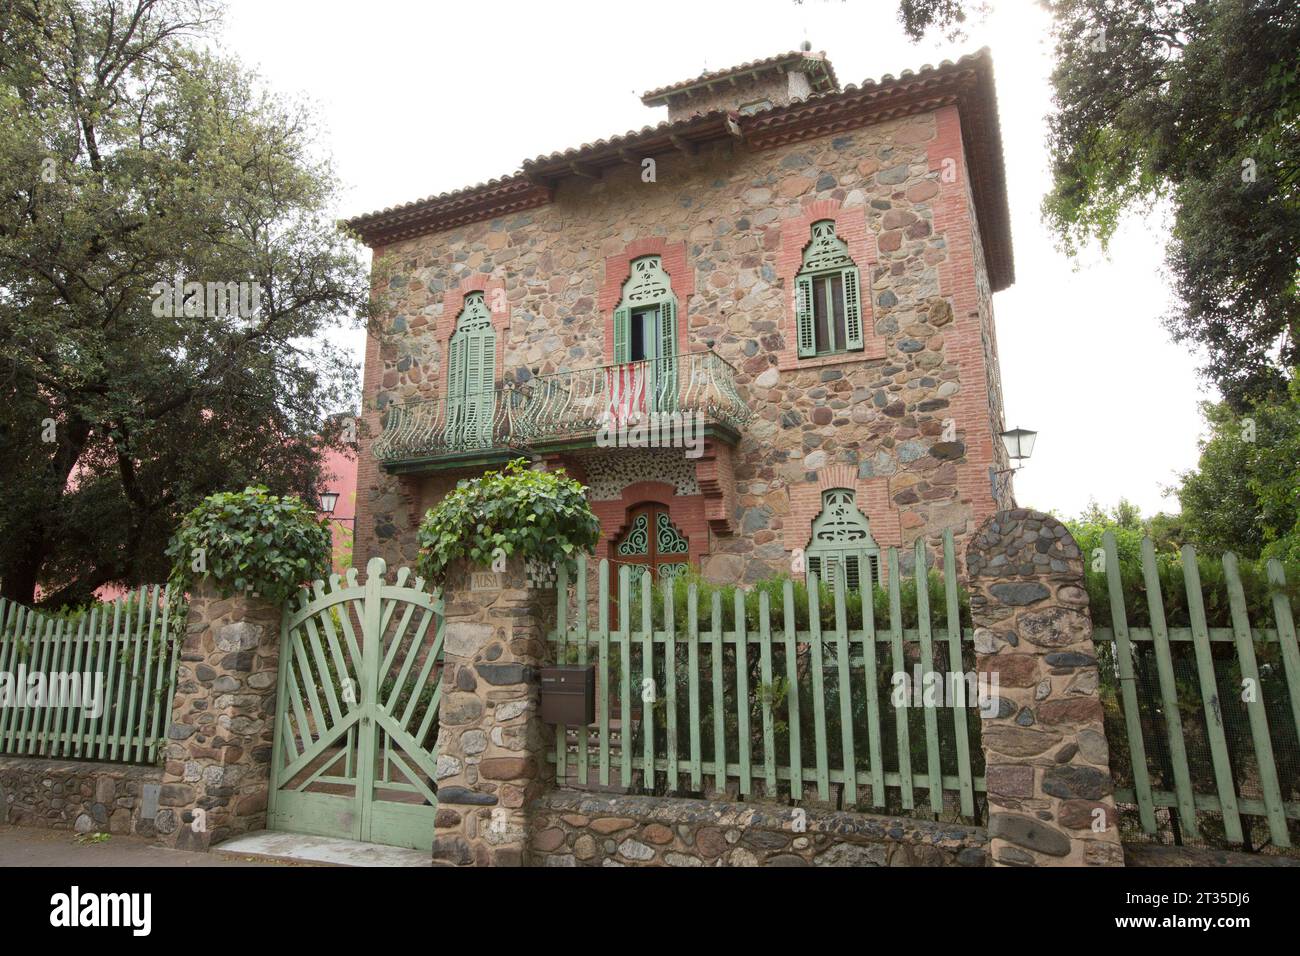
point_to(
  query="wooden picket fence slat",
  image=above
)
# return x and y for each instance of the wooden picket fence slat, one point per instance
(1237, 762)
(125, 645)
(754, 738)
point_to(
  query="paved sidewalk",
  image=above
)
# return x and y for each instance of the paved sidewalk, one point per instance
(28, 846)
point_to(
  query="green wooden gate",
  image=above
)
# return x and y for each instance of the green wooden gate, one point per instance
(357, 715)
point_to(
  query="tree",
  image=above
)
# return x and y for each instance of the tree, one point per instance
(1244, 494)
(168, 265)
(1194, 102)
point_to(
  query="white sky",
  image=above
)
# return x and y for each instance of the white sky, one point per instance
(417, 98)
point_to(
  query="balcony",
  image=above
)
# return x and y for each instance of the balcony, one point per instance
(563, 410)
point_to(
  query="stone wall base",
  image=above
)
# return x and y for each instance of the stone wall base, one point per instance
(75, 795)
(574, 828)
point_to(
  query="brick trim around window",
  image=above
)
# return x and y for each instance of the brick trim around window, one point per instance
(617, 269)
(453, 301)
(795, 234)
(870, 494)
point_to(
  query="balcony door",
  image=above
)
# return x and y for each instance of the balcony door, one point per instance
(652, 339)
(645, 342)
(471, 367)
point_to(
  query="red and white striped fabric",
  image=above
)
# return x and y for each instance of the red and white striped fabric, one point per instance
(626, 387)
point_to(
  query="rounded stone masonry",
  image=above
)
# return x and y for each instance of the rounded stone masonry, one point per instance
(78, 795)
(1047, 763)
(492, 744)
(221, 733)
(573, 828)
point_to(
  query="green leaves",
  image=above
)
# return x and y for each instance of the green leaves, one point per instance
(516, 511)
(251, 541)
(197, 173)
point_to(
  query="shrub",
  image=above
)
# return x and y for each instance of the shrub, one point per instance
(678, 585)
(1256, 588)
(536, 515)
(250, 541)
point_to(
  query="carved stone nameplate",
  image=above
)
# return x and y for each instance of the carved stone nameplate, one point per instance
(484, 581)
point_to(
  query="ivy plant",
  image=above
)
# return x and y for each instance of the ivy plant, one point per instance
(542, 516)
(250, 541)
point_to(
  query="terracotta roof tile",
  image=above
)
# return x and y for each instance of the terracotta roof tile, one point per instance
(656, 97)
(968, 82)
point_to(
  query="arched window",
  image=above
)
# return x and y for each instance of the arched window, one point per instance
(645, 331)
(828, 310)
(471, 368)
(842, 542)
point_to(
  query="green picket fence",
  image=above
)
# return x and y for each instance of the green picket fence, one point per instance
(125, 643)
(784, 706)
(1203, 722)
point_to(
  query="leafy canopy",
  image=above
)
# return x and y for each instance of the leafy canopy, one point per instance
(539, 515)
(1192, 102)
(133, 155)
(1244, 494)
(251, 541)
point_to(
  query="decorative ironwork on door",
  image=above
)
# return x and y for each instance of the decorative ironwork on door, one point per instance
(357, 722)
(652, 539)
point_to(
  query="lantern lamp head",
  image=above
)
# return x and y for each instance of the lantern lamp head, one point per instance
(328, 501)
(1019, 443)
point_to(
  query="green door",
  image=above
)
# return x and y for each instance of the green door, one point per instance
(357, 722)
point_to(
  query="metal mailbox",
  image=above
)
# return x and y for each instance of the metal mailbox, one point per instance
(569, 695)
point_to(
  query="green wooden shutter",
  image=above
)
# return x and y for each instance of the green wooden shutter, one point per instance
(852, 309)
(853, 570)
(480, 355)
(622, 336)
(455, 386)
(803, 315)
(666, 373)
(456, 369)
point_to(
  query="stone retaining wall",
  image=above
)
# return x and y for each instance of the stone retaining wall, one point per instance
(572, 828)
(75, 795)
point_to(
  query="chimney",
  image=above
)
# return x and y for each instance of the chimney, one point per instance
(748, 88)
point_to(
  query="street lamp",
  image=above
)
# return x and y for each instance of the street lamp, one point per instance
(1019, 443)
(328, 502)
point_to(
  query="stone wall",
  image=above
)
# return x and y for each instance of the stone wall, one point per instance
(1047, 765)
(572, 828)
(75, 795)
(492, 744)
(916, 421)
(218, 752)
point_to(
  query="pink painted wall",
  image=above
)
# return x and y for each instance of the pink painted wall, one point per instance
(340, 475)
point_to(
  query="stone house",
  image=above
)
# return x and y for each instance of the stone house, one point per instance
(760, 328)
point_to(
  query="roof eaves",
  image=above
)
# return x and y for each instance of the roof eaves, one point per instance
(660, 96)
(968, 83)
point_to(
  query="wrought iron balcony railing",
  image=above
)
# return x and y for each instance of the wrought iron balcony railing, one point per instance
(566, 406)
(435, 428)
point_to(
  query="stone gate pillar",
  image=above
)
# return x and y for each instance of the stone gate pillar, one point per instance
(219, 738)
(1047, 764)
(492, 744)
